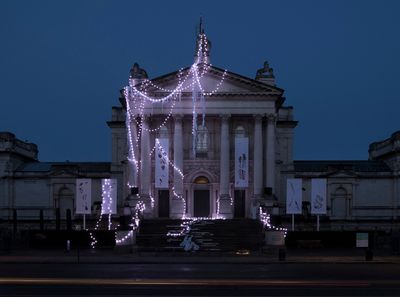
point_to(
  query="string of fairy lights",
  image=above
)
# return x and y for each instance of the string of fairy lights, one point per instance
(137, 100)
(138, 104)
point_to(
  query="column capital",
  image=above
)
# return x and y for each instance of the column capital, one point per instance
(178, 117)
(271, 117)
(225, 116)
(257, 117)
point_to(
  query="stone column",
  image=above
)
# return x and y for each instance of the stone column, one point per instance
(270, 152)
(257, 160)
(177, 206)
(145, 168)
(133, 166)
(225, 207)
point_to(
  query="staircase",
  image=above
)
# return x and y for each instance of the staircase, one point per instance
(209, 235)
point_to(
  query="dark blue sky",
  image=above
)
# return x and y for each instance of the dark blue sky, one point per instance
(63, 63)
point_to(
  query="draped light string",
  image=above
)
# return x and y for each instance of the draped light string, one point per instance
(135, 220)
(265, 219)
(163, 122)
(106, 195)
(186, 226)
(131, 154)
(138, 100)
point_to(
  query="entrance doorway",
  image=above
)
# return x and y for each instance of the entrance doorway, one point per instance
(239, 203)
(163, 203)
(201, 197)
(339, 204)
(201, 203)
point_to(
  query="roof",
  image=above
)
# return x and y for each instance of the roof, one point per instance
(352, 165)
(49, 166)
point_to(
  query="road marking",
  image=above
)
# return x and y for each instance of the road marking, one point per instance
(188, 282)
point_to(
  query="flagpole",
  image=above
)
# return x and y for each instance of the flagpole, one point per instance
(292, 222)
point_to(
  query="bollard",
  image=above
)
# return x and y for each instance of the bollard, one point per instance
(282, 254)
(58, 219)
(68, 246)
(41, 220)
(369, 255)
(15, 221)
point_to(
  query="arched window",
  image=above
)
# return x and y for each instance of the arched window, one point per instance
(201, 180)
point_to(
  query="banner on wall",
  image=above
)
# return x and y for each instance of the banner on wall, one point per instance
(83, 193)
(294, 195)
(109, 196)
(161, 163)
(318, 196)
(241, 162)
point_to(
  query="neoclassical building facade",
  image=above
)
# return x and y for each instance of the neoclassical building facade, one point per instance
(242, 107)
(227, 148)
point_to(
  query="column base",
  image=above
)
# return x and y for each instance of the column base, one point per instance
(177, 208)
(225, 207)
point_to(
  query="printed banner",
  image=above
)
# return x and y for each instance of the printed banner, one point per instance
(294, 195)
(241, 162)
(161, 163)
(109, 196)
(83, 196)
(318, 196)
(362, 240)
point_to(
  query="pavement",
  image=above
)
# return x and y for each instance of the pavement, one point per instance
(116, 256)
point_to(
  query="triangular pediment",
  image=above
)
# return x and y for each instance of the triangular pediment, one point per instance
(63, 174)
(214, 80)
(342, 174)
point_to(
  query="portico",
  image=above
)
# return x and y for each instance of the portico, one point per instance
(204, 139)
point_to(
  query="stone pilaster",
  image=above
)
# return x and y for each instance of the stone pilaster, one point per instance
(177, 205)
(270, 152)
(145, 168)
(257, 161)
(225, 207)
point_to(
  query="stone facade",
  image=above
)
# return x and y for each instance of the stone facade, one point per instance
(361, 194)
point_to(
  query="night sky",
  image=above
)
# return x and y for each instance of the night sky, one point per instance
(64, 62)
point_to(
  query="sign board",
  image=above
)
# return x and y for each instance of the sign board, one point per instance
(294, 195)
(318, 196)
(241, 162)
(161, 163)
(83, 194)
(362, 240)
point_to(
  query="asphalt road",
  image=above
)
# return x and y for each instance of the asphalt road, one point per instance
(279, 279)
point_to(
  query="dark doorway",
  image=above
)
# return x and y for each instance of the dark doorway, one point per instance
(163, 203)
(239, 203)
(201, 203)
